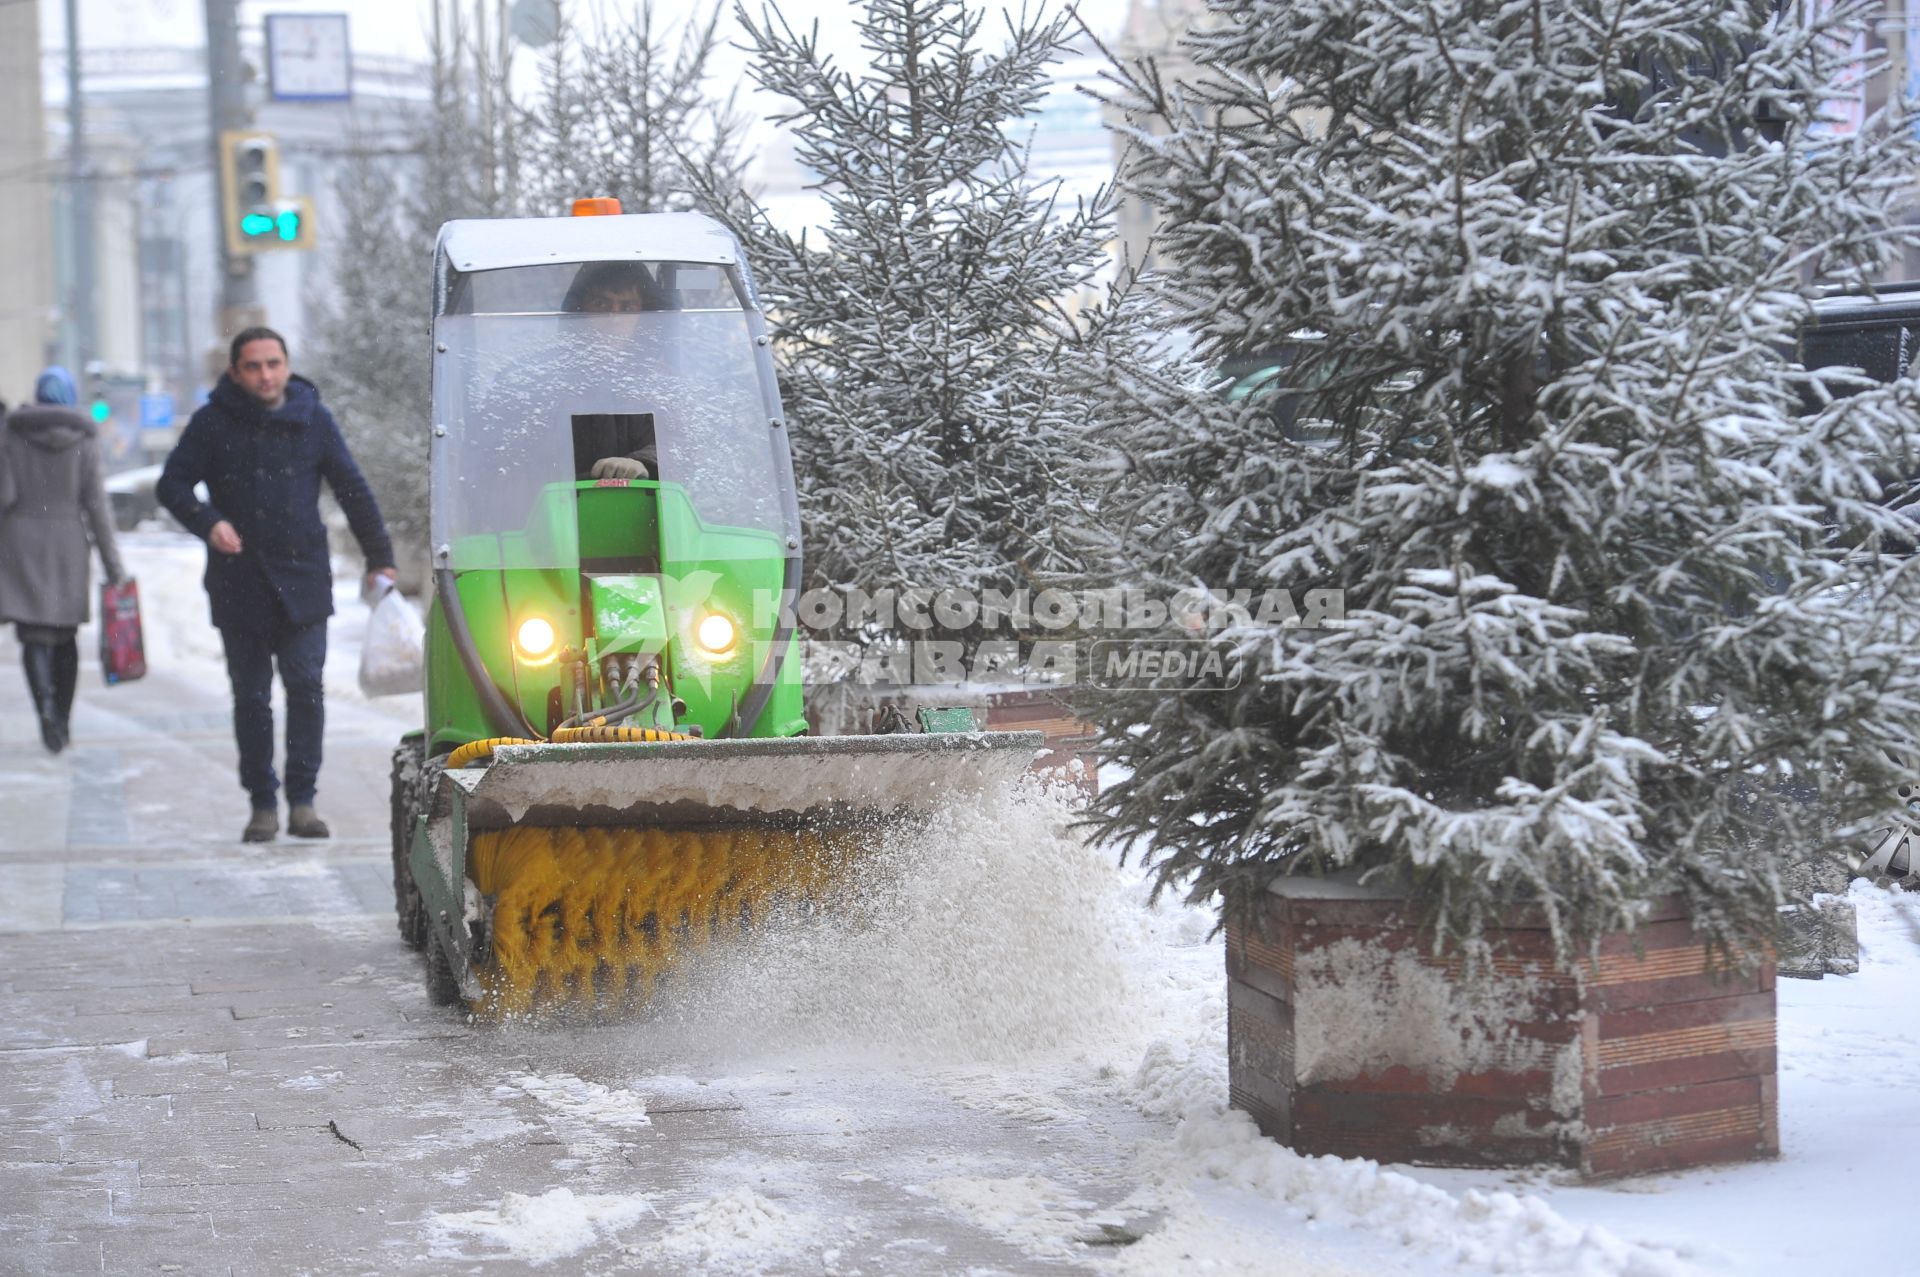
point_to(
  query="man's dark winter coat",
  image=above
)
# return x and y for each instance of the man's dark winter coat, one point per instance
(262, 468)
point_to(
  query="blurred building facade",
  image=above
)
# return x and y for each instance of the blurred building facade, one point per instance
(154, 206)
(26, 213)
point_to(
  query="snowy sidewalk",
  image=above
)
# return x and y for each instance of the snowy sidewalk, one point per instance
(217, 1057)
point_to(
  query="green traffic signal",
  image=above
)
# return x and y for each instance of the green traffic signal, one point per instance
(256, 224)
(101, 411)
(289, 224)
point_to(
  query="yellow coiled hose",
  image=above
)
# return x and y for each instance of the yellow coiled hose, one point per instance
(597, 733)
(474, 750)
(594, 733)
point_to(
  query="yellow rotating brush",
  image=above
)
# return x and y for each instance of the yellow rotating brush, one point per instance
(595, 920)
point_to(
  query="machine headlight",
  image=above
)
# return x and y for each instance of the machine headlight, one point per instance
(714, 634)
(536, 640)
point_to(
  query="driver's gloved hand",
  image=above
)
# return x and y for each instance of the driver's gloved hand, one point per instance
(620, 468)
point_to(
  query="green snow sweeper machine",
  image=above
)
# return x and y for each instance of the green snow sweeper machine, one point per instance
(614, 773)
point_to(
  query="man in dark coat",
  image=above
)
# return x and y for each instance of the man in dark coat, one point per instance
(262, 443)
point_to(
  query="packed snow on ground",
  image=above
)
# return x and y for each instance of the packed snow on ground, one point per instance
(1043, 1217)
(996, 960)
(998, 957)
(737, 1231)
(587, 1101)
(542, 1228)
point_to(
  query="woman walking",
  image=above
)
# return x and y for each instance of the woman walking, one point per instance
(51, 499)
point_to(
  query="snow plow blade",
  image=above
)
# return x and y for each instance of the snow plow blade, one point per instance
(582, 878)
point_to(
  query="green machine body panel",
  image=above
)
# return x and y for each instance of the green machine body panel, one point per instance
(649, 571)
(629, 614)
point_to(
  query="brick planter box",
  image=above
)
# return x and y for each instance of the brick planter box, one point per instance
(1346, 1036)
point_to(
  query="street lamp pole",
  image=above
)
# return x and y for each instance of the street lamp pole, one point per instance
(80, 282)
(227, 110)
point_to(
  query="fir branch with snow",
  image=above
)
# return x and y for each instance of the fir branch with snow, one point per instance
(1617, 618)
(627, 111)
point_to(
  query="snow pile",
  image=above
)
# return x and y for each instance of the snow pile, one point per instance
(587, 1101)
(1183, 1077)
(735, 1231)
(551, 1226)
(1889, 926)
(991, 931)
(1196, 1241)
(1481, 1232)
(1031, 1211)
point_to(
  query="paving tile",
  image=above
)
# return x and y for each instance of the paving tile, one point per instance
(125, 1030)
(21, 1143)
(144, 1000)
(182, 1244)
(18, 1177)
(78, 978)
(330, 1242)
(296, 1191)
(53, 1258)
(171, 1075)
(72, 1205)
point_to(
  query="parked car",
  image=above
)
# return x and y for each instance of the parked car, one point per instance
(130, 493)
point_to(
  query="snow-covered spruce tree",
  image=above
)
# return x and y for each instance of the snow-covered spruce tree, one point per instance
(922, 332)
(370, 344)
(1539, 267)
(627, 112)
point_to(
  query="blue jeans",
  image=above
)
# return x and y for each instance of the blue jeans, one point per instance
(301, 653)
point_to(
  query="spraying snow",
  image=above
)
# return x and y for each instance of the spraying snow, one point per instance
(991, 931)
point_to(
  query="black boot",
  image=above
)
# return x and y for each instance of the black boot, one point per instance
(66, 673)
(37, 658)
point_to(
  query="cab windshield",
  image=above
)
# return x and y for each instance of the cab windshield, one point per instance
(588, 288)
(541, 371)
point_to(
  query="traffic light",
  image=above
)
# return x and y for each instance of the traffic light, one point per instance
(293, 223)
(256, 216)
(100, 408)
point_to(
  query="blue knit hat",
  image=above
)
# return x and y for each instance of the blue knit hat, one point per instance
(55, 385)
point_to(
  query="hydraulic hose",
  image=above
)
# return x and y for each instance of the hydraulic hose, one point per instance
(748, 714)
(502, 716)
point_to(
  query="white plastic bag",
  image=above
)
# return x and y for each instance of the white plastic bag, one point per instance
(395, 651)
